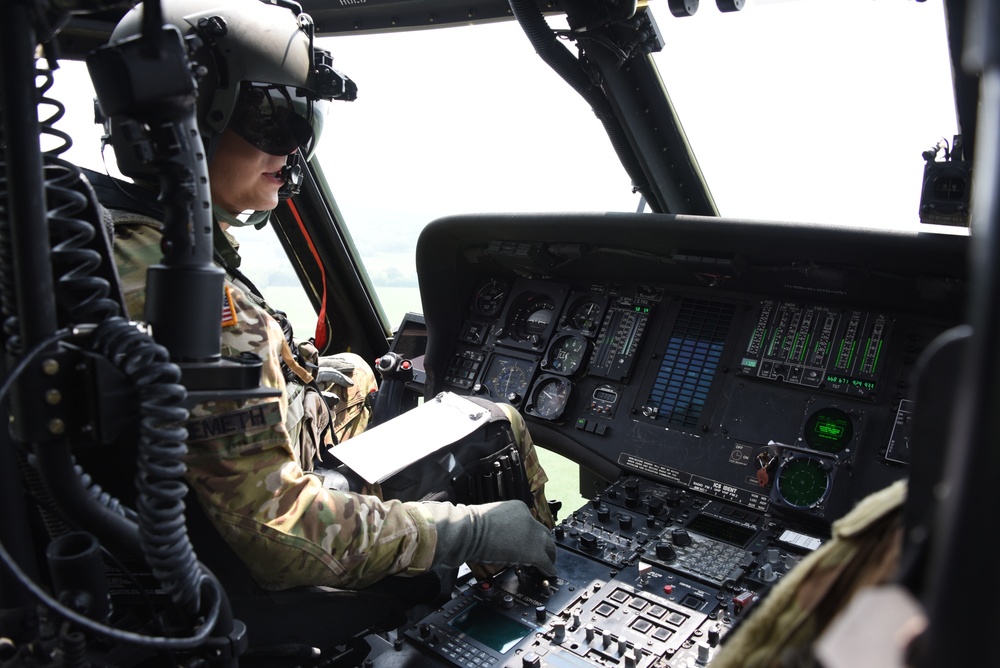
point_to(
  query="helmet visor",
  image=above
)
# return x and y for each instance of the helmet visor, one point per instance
(276, 120)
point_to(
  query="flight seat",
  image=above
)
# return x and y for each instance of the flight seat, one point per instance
(288, 625)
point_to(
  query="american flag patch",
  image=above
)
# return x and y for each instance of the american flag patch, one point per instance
(228, 308)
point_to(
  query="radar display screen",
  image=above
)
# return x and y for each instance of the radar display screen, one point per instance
(803, 482)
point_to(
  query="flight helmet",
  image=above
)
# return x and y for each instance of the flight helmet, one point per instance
(259, 73)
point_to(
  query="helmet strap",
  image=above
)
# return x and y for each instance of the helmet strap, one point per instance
(258, 218)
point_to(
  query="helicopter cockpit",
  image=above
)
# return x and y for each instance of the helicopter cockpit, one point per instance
(719, 397)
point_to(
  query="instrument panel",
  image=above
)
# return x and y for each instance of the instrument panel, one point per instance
(730, 372)
(760, 400)
(739, 386)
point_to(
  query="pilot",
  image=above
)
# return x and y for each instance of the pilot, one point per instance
(260, 110)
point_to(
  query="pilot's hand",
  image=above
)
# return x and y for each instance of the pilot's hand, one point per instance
(492, 534)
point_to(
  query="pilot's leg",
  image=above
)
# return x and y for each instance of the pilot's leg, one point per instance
(532, 467)
(307, 420)
(351, 380)
(354, 409)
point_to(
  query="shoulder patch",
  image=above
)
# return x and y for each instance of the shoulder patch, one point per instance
(229, 318)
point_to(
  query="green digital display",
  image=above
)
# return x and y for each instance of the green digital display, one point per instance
(847, 381)
(833, 430)
(829, 429)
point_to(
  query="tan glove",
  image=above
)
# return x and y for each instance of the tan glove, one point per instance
(493, 534)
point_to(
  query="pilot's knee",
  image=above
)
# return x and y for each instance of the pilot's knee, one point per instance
(356, 368)
(517, 425)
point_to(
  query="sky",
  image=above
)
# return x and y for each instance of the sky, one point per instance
(805, 110)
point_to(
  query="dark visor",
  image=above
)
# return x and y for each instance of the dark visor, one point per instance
(276, 120)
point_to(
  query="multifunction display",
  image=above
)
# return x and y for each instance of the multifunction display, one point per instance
(837, 350)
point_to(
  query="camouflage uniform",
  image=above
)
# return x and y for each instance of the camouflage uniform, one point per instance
(863, 552)
(248, 471)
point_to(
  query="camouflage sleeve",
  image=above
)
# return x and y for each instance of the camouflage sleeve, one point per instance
(287, 527)
(863, 551)
(136, 246)
(283, 523)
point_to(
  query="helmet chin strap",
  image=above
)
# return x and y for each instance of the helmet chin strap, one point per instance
(258, 218)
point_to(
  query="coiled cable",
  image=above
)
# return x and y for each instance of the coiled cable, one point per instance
(216, 606)
(81, 296)
(159, 479)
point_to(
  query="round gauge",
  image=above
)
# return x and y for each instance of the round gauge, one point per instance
(507, 379)
(583, 315)
(530, 317)
(803, 482)
(549, 397)
(829, 429)
(489, 297)
(566, 354)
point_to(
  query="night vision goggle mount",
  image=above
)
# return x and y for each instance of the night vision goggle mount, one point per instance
(331, 84)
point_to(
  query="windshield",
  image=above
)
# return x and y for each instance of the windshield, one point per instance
(812, 110)
(805, 110)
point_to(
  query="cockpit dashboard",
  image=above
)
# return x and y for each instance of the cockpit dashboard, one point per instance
(734, 386)
(763, 365)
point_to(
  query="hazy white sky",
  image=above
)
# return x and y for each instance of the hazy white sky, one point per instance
(811, 110)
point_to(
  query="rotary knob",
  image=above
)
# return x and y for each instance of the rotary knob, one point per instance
(665, 552)
(588, 542)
